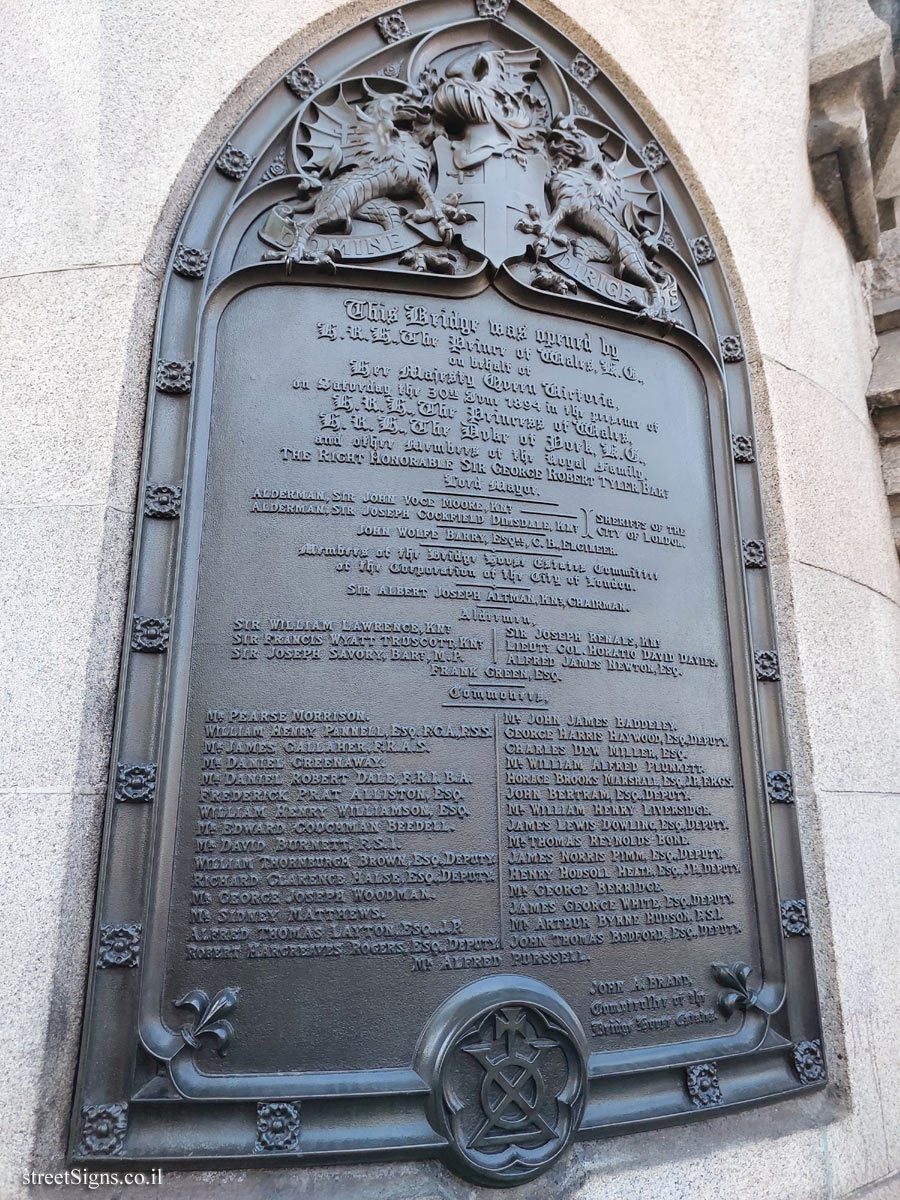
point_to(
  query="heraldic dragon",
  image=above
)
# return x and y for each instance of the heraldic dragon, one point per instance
(362, 156)
(601, 199)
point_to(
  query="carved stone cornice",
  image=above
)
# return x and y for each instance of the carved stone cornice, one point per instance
(854, 150)
(853, 138)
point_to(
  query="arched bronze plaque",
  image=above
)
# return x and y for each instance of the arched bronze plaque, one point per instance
(451, 813)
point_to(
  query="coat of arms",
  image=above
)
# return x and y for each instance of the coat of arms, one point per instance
(477, 155)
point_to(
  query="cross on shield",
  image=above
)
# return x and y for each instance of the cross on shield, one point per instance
(497, 193)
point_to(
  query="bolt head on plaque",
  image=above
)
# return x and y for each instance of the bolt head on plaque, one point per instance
(507, 1065)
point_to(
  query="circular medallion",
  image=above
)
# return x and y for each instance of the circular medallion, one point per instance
(506, 1062)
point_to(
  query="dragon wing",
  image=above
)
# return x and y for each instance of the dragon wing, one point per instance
(327, 128)
(519, 68)
(368, 141)
(638, 207)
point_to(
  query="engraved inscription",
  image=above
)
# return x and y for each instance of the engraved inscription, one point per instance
(459, 718)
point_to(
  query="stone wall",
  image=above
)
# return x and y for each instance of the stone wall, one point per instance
(116, 110)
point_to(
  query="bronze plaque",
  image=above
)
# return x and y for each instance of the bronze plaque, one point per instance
(449, 758)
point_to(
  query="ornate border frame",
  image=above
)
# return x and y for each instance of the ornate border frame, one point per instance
(146, 1100)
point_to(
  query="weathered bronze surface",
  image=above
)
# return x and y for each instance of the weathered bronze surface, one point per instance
(449, 762)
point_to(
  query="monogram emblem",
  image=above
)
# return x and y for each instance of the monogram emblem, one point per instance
(512, 1090)
(513, 1087)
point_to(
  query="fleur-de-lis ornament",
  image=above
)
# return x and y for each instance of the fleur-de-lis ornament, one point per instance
(209, 1021)
(740, 994)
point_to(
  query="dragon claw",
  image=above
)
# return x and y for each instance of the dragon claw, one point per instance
(438, 259)
(548, 280)
(453, 210)
(533, 224)
(327, 260)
